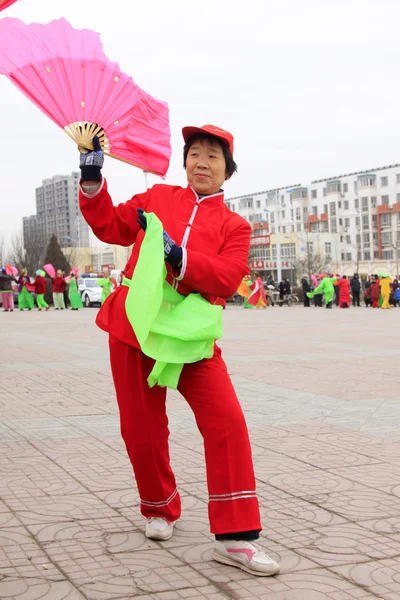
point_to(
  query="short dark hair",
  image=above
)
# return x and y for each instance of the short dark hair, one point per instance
(230, 165)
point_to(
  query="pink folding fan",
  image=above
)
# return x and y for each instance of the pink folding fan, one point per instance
(6, 3)
(67, 75)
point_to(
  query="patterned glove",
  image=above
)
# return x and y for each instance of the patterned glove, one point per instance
(92, 162)
(172, 252)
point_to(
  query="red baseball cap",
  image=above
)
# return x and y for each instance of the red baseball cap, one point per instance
(187, 133)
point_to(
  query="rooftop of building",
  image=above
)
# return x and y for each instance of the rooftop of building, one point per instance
(367, 172)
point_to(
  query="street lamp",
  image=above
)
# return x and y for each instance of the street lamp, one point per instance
(278, 241)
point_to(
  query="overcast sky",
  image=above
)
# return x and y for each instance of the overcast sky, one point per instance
(309, 88)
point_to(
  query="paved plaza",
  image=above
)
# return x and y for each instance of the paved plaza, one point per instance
(321, 393)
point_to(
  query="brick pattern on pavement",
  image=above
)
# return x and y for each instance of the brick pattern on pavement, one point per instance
(321, 397)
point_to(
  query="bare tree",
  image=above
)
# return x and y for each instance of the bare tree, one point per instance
(27, 251)
(3, 252)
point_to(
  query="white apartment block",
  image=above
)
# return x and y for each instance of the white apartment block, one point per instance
(353, 219)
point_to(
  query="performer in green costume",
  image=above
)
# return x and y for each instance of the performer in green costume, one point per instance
(106, 284)
(326, 288)
(74, 295)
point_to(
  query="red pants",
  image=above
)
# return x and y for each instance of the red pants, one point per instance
(7, 300)
(207, 388)
(375, 302)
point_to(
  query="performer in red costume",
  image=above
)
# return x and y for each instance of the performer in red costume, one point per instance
(344, 296)
(206, 251)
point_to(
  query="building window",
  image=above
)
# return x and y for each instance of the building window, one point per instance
(249, 204)
(364, 204)
(366, 181)
(305, 211)
(298, 227)
(272, 217)
(387, 254)
(333, 226)
(347, 223)
(384, 181)
(314, 227)
(397, 197)
(315, 210)
(365, 222)
(333, 187)
(284, 229)
(386, 220)
(328, 248)
(367, 255)
(298, 214)
(283, 214)
(323, 226)
(340, 222)
(366, 238)
(374, 220)
(356, 203)
(310, 247)
(300, 193)
(233, 208)
(345, 187)
(398, 178)
(332, 206)
(348, 239)
(357, 221)
(384, 199)
(313, 194)
(324, 191)
(346, 204)
(387, 238)
(373, 201)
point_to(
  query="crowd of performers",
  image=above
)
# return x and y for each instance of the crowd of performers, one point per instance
(253, 292)
(380, 291)
(64, 288)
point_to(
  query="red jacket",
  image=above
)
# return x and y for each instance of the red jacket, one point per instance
(40, 285)
(215, 244)
(344, 285)
(58, 285)
(375, 291)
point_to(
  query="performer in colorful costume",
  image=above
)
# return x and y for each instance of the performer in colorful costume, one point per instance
(205, 266)
(344, 296)
(7, 298)
(107, 285)
(385, 291)
(257, 298)
(40, 290)
(25, 298)
(74, 295)
(244, 290)
(58, 284)
(326, 288)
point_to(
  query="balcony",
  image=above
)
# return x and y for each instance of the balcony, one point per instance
(260, 240)
(388, 208)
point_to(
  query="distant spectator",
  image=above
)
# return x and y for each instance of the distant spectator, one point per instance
(306, 288)
(355, 289)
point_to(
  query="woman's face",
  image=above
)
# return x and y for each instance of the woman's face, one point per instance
(205, 167)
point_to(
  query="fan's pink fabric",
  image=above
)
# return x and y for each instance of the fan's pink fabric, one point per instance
(50, 270)
(59, 68)
(6, 4)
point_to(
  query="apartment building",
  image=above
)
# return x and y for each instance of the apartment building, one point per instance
(58, 212)
(353, 219)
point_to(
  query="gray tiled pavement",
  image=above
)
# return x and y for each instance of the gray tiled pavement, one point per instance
(321, 393)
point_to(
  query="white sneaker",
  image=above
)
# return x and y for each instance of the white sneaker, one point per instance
(245, 555)
(159, 529)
